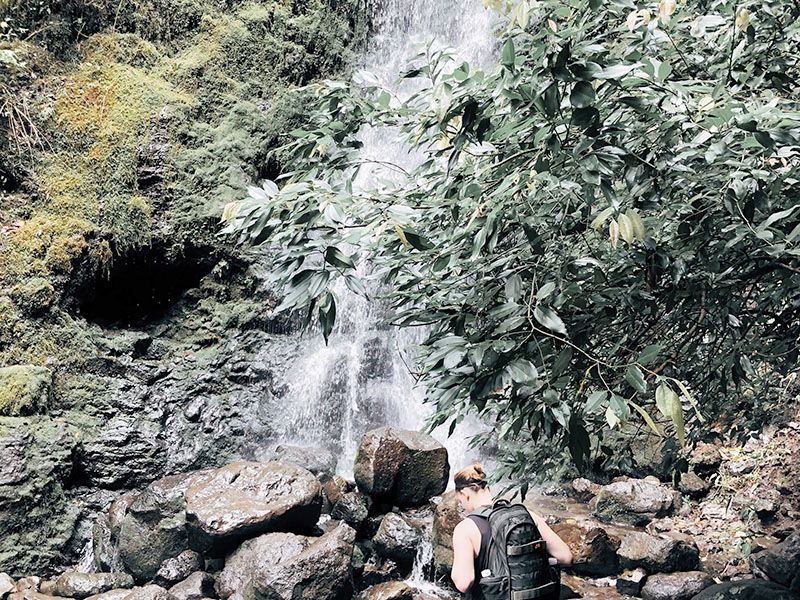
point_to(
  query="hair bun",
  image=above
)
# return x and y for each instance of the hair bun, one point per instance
(478, 468)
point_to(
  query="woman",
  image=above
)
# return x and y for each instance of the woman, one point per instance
(471, 536)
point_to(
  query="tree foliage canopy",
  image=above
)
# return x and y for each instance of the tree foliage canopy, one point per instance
(603, 229)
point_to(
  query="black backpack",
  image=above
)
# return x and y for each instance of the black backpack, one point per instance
(517, 557)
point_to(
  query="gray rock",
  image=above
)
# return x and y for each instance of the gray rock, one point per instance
(31, 595)
(404, 468)
(149, 592)
(244, 499)
(630, 583)
(174, 570)
(705, 459)
(320, 461)
(81, 585)
(676, 586)
(6, 584)
(635, 502)
(657, 555)
(693, 486)
(117, 594)
(257, 556)
(741, 467)
(352, 508)
(391, 590)
(397, 540)
(594, 551)
(748, 589)
(583, 489)
(195, 587)
(780, 563)
(768, 503)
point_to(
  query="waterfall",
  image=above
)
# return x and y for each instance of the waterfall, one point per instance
(361, 379)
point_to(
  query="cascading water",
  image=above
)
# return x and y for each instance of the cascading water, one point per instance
(361, 379)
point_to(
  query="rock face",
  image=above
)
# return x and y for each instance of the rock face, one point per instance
(781, 563)
(447, 514)
(635, 502)
(404, 468)
(594, 552)
(676, 586)
(657, 555)
(244, 499)
(749, 589)
(397, 540)
(82, 585)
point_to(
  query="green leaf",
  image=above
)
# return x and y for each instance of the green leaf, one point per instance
(635, 377)
(595, 400)
(582, 94)
(327, 314)
(579, 443)
(337, 258)
(619, 406)
(545, 291)
(508, 54)
(513, 288)
(649, 354)
(616, 71)
(522, 370)
(647, 418)
(548, 317)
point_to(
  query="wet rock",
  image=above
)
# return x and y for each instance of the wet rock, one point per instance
(748, 589)
(6, 584)
(195, 587)
(630, 583)
(244, 499)
(657, 555)
(117, 594)
(391, 590)
(594, 552)
(693, 486)
(352, 508)
(149, 592)
(24, 389)
(320, 572)
(259, 555)
(178, 568)
(334, 487)
(676, 586)
(583, 489)
(780, 562)
(397, 540)
(705, 458)
(404, 468)
(320, 461)
(635, 502)
(81, 585)
(447, 514)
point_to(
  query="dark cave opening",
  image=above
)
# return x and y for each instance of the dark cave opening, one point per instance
(142, 285)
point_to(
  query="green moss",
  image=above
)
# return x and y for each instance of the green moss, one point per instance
(24, 389)
(34, 296)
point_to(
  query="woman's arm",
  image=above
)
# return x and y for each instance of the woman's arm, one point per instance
(463, 572)
(557, 548)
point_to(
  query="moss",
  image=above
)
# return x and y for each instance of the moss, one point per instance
(34, 296)
(122, 48)
(24, 389)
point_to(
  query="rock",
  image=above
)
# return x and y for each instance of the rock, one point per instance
(320, 461)
(583, 489)
(447, 514)
(352, 508)
(24, 390)
(397, 540)
(391, 590)
(399, 467)
(767, 504)
(594, 552)
(259, 555)
(693, 486)
(178, 568)
(48, 587)
(705, 458)
(676, 586)
(25, 584)
(195, 587)
(780, 563)
(748, 589)
(657, 555)
(6, 584)
(117, 594)
(81, 585)
(635, 502)
(630, 583)
(244, 499)
(320, 572)
(149, 592)
(741, 467)
(31, 595)
(334, 487)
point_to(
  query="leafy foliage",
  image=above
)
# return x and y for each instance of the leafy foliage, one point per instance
(603, 229)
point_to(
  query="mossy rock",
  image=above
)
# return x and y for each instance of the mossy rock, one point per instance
(24, 389)
(35, 296)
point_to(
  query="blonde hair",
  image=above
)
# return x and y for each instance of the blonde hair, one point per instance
(473, 477)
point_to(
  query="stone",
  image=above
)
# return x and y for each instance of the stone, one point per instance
(447, 514)
(195, 587)
(705, 458)
(245, 499)
(780, 563)
(634, 502)
(693, 486)
(117, 594)
(334, 487)
(24, 390)
(320, 461)
(352, 508)
(81, 585)
(741, 467)
(630, 583)
(178, 568)
(48, 587)
(747, 589)
(258, 555)
(397, 540)
(24, 584)
(6, 584)
(31, 595)
(320, 572)
(768, 503)
(403, 468)
(657, 554)
(583, 489)
(149, 592)
(391, 590)
(676, 586)
(594, 551)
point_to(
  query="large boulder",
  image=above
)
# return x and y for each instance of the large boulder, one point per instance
(81, 585)
(244, 499)
(447, 514)
(676, 586)
(594, 551)
(352, 508)
(6, 584)
(397, 539)
(149, 592)
(197, 586)
(635, 502)
(781, 563)
(748, 589)
(403, 468)
(118, 594)
(391, 590)
(656, 554)
(320, 461)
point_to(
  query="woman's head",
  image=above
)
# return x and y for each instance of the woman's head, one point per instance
(471, 487)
